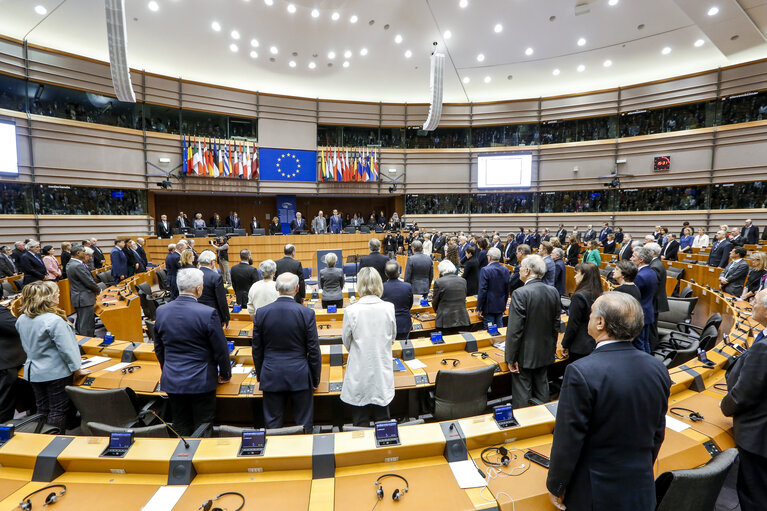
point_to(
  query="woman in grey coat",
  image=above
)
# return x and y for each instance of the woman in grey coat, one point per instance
(332, 283)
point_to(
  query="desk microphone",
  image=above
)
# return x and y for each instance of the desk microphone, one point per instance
(144, 414)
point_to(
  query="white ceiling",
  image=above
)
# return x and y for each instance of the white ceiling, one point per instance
(177, 40)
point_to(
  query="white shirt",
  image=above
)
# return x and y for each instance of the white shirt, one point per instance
(605, 343)
(427, 246)
(700, 241)
(261, 293)
(369, 329)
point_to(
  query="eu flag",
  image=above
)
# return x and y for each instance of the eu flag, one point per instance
(287, 165)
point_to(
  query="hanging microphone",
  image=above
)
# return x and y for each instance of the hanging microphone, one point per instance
(186, 444)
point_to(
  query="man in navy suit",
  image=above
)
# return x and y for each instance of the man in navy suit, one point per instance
(191, 348)
(647, 282)
(734, 275)
(286, 356)
(750, 233)
(589, 234)
(172, 264)
(119, 261)
(562, 234)
(520, 236)
(375, 259)
(298, 225)
(213, 292)
(336, 223)
(604, 232)
(31, 265)
(493, 290)
(535, 240)
(400, 294)
(234, 221)
(612, 407)
(561, 272)
(720, 250)
(509, 255)
(551, 269)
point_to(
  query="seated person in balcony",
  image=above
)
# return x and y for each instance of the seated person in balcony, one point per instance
(198, 222)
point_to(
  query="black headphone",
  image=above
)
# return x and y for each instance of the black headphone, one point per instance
(693, 415)
(481, 354)
(398, 494)
(129, 369)
(208, 504)
(455, 361)
(502, 451)
(51, 498)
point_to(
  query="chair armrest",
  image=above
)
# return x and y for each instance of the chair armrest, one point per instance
(687, 326)
(203, 431)
(145, 417)
(37, 420)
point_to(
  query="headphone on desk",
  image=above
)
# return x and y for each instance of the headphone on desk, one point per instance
(398, 494)
(208, 504)
(51, 498)
(455, 361)
(129, 369)
(502, 451)
(693, 415)
(480, 354)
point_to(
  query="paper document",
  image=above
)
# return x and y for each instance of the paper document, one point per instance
(242, 369)
(500, 345)
(467, 475)
(415, 364)
(117, 367)
(165, 498)
(676, 425)
(92, 361)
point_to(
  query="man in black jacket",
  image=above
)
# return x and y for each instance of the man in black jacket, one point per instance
(163, 227)
(243, 276)
(671, 250)
(18, 249)
(750, 233)
(400, 294)
(375, 259)
(12, 357)
(213, 292)
(471, 271)
(82, 292)
(612, 407)
(746, 403)
(31, 265)
(660, 301)
(140, 242)
(720, 251)
(289, 264)
(734, 275)
(7, 266)
(98, 255)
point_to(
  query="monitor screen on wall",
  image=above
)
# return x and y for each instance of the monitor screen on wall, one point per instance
(8, 155)
(504, 171)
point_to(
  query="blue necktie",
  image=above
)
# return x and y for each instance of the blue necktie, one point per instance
(759, 337)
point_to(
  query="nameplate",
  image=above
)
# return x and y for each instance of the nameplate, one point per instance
(335, 386)
(247, 389)
(244, 333)
(421, 379)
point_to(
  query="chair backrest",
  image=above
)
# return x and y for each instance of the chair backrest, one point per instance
(364, 229)
(331, 341)
(153, 431)
(106, 278)
(678, 357)
(714, 320)
(148, 305)
(708, 337)
(8, 289)
(379, 229)
(233, 431)
(696, 489)
(200, 233)
(162, 279)
(686, 292)
(259, 232)
(350, 229)
(675, 273)
(460, 394)
(219, 231)
(679, 311)
(240, 232)
(149, 329)
(113, 407)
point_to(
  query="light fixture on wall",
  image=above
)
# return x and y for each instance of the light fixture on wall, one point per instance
(164, 160)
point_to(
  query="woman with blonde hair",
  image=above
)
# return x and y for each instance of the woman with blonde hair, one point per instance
(52, 351)
(187, 259)
(756, 274)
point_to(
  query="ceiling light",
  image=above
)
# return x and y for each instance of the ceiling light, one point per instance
(448, 34)
(529, 52)
(235, 35)
(397, 38)
(315, 13)
(463, 4)
(581, 68)
(291, 8)
(233, 47)
(346, 63)
(331, 55)
(353, 19)
(364, 51)
(466, 79)
(666, 50)
(269, 2)
(607, 63)
(480, 57)
(312, 65)
(216, 26)
(713, 11)
(581, 41)
(699, 43)
(347, 54)
(254, 43)
(487, 79)
(273, 50)
(153, 6)
(292, 63)
(335, 16)
(253, 54)
(612, 2)
(42, 11)
(408, 54)
(498, 28)
(555, 72)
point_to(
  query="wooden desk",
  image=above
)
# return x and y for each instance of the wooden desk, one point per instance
(120, 311)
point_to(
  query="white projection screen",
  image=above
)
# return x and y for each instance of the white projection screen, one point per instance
(504, 171)
(9, 163)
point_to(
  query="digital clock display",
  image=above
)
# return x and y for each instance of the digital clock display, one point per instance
(662, 163)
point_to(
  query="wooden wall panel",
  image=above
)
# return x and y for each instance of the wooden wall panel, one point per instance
(437, 172)
(444, 223)
(11, 58)
(690, 89)
(70, 71)
(741, 153)
(392, 115)
(57, 228)
(745, 78)
(348, 114)
(161, 90)
(15, 228)
(559, 162)
(286, 109)
(508, 112)
(286, 134)
(215, 99)
(583, 105)
(736, 218)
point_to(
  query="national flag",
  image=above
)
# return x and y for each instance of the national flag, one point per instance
(243, 171)
(329, 164)
(230, 154)
(322, 164)
(197, 158)
(210, 162)
(227, 169)
(214, 158)
(254, 164)
(364, 166)
(219, 153)
(236, 162)
(346, 172)
(183, 155)
(337, 171)
(375, 165)
(247, 161)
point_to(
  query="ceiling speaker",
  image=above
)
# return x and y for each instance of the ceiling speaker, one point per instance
(436, 81)
(118, 50)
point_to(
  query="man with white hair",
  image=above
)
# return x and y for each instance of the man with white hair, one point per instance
(750, 233)
(286, 356)
(213, 291)
(375, 259)
(191, 349)
(18, 250)
(172, 264)
(31, 264)
(98, 255)
(140, 242)
(531, 337)
(646, 281)
(493, 290)
(560, 273)
(319, 224)
(720, 250)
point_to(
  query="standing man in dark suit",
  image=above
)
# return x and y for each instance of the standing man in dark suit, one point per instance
(298, 225)
(535, 239)
(750, 233)
(626, 249)
(400, 294)
(560, 274)
(31, 265)
(671, 250)
(163, 227)
(661, 298)
(18, 249)
(213, 291)
(562, 234)
(191, 349)
(551, 269)
(647, 282)
(234, 221)
(612, 407)
(289, 264)
(7, 266)
(243, 276)
(438, 246)
(531, 337)
(172, 264)
(497, 243)
(746, 403)
(509, 255)
(254, 224)
(82, 292)
(182, 222)
(720, 250)
(119, 261)
(604, 232)
(98, 255)
(419, 270)
(335, 225)
(286, 356)
(375, 259)
(471, 271)
(733, 277)
(521, 235)
(140, 242)
(493, 290)
(12, 357)
(590, 234)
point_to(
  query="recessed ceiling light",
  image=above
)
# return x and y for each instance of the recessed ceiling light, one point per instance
(331, 55)
(364, 51)
(713, 11)
(347, 54)
(699, 43)
(466, 79)
(273, 50)
(269, 2)
(233, 47)
(292, 63)
(253, 54)
(480, 57)
(408, 54)
(42, 11)
(487, 79)
(335, 16)
(235, 35)
(254, 43)
(346, 63)
(463, 4)
(612, 2)
(498, 28)
(315, 13)
(153, 6)
(353, 19)
(448, 34)
(397, 38)
(312, 65)
(529, 52)
(216, 26)
(666, 50)
(581, 41)
(607, 63)
(291, 8)
(581, 68)
(555, 72)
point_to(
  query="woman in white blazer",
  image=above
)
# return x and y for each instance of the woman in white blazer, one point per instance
(369, 328)
(701, 239)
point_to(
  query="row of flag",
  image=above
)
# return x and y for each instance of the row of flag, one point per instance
(347, 164)
(220, 158)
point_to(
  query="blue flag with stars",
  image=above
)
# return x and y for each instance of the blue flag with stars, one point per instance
(287, 165)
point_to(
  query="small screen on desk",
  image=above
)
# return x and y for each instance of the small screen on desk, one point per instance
(253, 439)
(386, 430)
(120, 440)
(504, 413)
(6, 432)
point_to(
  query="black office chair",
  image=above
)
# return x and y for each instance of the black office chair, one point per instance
(162, 280)
(680, 311)
(364, 229)
(686, 292)
(695, 489)
(350, 229)
(259, 232)
(106, 277)
(240, 232)
(148, 305)
(114, 407)
(459, 394)
(33, 424)
(200, 233)
(149, 329)
(154, 431)
(233, 431)
(161, 296)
